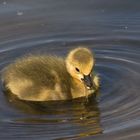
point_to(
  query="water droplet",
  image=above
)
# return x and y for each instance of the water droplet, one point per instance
(126, 27)
(19, 13)
(64, 121)
(4, 3)
(102, 10)
(81, 118)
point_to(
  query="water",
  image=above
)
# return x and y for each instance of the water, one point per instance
(112, 30)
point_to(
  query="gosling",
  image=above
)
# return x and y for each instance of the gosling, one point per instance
(51, 78)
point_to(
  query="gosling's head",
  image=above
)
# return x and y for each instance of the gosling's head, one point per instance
(80, 63)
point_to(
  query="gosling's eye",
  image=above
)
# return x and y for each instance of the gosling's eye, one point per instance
(77, 69)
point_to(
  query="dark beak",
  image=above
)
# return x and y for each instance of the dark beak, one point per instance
(89, 82)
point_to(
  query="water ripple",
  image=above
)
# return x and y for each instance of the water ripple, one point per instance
(118, 102)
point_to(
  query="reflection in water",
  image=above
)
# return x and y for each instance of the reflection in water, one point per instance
(82, 116)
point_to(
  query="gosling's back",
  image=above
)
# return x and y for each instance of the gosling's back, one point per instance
(38, 78)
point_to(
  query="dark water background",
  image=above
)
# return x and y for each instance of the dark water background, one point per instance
(111, 28)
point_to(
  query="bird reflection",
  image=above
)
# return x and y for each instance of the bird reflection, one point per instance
(81, 114)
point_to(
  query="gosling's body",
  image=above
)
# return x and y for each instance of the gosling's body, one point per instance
(44, 78)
